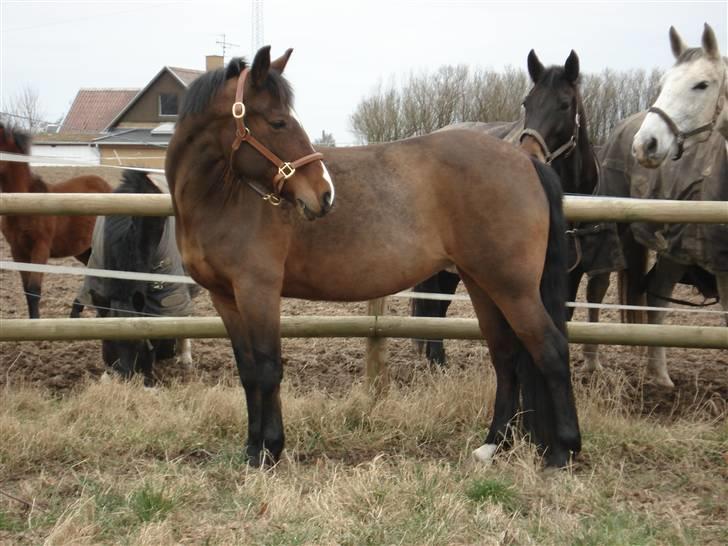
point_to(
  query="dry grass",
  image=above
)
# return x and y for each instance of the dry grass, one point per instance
(113, 463)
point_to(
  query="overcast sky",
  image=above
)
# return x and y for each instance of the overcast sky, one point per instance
(342, 49)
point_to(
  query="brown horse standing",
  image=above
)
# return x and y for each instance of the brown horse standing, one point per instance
(34, 239)
(400, 212)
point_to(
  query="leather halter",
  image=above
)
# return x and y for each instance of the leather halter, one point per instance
(242, 134)
(565, 149)
(682, 136)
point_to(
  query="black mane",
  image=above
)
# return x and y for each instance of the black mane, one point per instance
(204, 88)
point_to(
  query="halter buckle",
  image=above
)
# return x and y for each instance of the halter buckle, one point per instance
(273, 199)
(286, 170)
(238, 110)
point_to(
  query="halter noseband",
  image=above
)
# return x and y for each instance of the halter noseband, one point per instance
(682, 136)
(565, 149)
(242, 134)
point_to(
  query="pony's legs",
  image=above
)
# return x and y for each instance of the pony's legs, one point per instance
(254, 329)
(76, 308)
(722, 280)
(596, 289)
(505, 350)
(661, 282)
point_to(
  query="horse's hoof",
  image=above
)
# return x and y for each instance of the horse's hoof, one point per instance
(663, 381)
(592, 363)
(105, 378)
(484, 453)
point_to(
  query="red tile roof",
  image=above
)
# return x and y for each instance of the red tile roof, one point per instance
(93, 109)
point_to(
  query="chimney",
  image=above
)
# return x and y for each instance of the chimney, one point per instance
(213, 62)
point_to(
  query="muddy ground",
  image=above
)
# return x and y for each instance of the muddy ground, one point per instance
(333, 364)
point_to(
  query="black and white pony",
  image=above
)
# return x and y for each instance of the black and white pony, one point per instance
(143, 245)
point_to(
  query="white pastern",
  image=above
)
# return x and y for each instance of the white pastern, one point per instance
(485, 453)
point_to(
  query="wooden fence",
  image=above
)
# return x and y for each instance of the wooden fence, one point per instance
(576, 208)
(376, 327)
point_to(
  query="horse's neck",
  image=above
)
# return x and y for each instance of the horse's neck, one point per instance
(578, 171)
(722, 124)
(19, 179)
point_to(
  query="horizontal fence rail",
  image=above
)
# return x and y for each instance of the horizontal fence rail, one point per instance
(577, 208)
(703, 337)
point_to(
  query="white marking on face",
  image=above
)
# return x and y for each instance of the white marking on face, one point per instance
(485, 453)
(330, 182)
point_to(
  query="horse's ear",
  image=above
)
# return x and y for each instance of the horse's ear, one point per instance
(710, 44)
(535, 68)
(571, 67)
(676, 43)
(261, 65)
(280, 63)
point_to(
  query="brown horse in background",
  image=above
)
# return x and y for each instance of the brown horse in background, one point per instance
(399, 213)
(34, 239)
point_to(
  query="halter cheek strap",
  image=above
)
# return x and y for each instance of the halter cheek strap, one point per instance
(565, 149)
(242, 134)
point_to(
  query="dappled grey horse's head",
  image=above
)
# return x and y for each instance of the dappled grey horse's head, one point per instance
(690, 105)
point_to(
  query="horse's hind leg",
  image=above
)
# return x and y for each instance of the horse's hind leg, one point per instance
(441, 282)
(596, 289)
(661, 281)
(505, 351)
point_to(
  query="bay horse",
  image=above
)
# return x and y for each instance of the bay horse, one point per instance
(34, 239)
(370, 221)
(690, 111)
(142, 244)
(554, 130)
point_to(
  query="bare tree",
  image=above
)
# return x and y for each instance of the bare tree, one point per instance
(326, 139)
(426, 102)
(25, 107)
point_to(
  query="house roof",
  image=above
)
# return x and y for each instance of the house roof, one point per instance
(94, 108)
(183, 75)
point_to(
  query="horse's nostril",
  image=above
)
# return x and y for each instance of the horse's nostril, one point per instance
(327, 200)
(652, 146)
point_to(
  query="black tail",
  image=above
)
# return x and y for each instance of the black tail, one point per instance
(549, 410)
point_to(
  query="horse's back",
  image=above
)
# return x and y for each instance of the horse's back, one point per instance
(82, 184)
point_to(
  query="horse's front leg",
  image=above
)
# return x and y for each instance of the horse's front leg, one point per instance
(32, 282)
(253, 324)
(722, 282)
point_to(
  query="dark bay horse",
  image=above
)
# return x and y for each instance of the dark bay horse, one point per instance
(34, 239)
(385, 216)
(141, 244)
(555, 131)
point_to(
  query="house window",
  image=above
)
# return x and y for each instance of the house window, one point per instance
(168, 104)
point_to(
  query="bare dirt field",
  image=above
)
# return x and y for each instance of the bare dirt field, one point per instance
(332, 365)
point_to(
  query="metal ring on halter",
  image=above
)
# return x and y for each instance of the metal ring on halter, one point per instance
(273, 199)
(286, 170)
(238, 110)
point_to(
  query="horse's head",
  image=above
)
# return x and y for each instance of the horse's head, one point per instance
(13, 141)
(260, 135)
(551, 125)
(690, 105)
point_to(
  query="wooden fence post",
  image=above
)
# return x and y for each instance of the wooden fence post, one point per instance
(377, 371)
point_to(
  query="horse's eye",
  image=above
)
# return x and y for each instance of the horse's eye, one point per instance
(701, 85)
(278, 124)
(564, 106)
